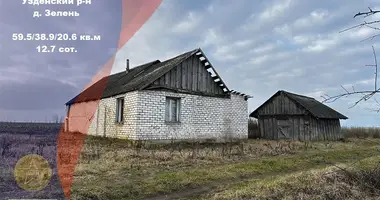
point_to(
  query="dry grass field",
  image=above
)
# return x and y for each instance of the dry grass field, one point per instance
(250, 169)
(247, 169)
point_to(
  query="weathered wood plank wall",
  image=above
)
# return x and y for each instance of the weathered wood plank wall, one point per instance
(190, 75)
(281, 105)
(282, 118)
(300, 128)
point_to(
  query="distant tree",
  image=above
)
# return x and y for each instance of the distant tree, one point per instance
(55, 118)
(370, 93)
(61, 118)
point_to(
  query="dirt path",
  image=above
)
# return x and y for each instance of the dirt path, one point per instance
(195, 192)
(203, 189)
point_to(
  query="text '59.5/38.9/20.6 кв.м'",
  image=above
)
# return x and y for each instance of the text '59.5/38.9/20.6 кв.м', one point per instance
(54, 36)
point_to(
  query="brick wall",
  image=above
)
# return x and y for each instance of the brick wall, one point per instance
(200, 117)
(103, 122)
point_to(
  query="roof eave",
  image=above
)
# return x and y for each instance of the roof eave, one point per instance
(240, 94)
(202, 54)
(254, 116)
(258, 108)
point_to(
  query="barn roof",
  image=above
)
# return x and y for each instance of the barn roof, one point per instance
(316, 108)
(137, 78)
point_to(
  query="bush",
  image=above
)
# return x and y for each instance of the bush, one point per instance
(253, 129)
(361, 132)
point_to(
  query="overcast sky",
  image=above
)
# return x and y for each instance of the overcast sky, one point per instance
(257, 47)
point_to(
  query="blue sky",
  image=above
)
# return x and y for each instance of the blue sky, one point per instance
(258, 47)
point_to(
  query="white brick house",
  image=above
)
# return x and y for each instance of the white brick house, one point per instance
(180, 98)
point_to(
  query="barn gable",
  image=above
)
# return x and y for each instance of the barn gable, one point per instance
(279, 104)
(286, 103)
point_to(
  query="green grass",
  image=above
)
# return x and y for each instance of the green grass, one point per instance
(317, 183)
(118, 172)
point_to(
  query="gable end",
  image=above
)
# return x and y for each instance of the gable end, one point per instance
(279, 104)
(305, 104)
(194, 74)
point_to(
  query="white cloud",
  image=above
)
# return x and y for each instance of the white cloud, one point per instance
(188, 24)
(284, 30)
(259, 60)
(243, 43)
(301, 39)
(320, 45)
(260, 47)
(264, 48)
(298, 54)
(366, 81)
(362, 33)
(210, 38)
(276, 9)
(315, 18)
(210, 8)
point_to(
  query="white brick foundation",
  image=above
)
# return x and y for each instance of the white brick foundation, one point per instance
(144, 117)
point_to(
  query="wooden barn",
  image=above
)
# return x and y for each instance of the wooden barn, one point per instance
(292, 116)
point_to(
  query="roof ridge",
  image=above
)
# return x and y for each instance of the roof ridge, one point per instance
(314, 106)
(133, 68)
(179, 55)
(291, 93)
